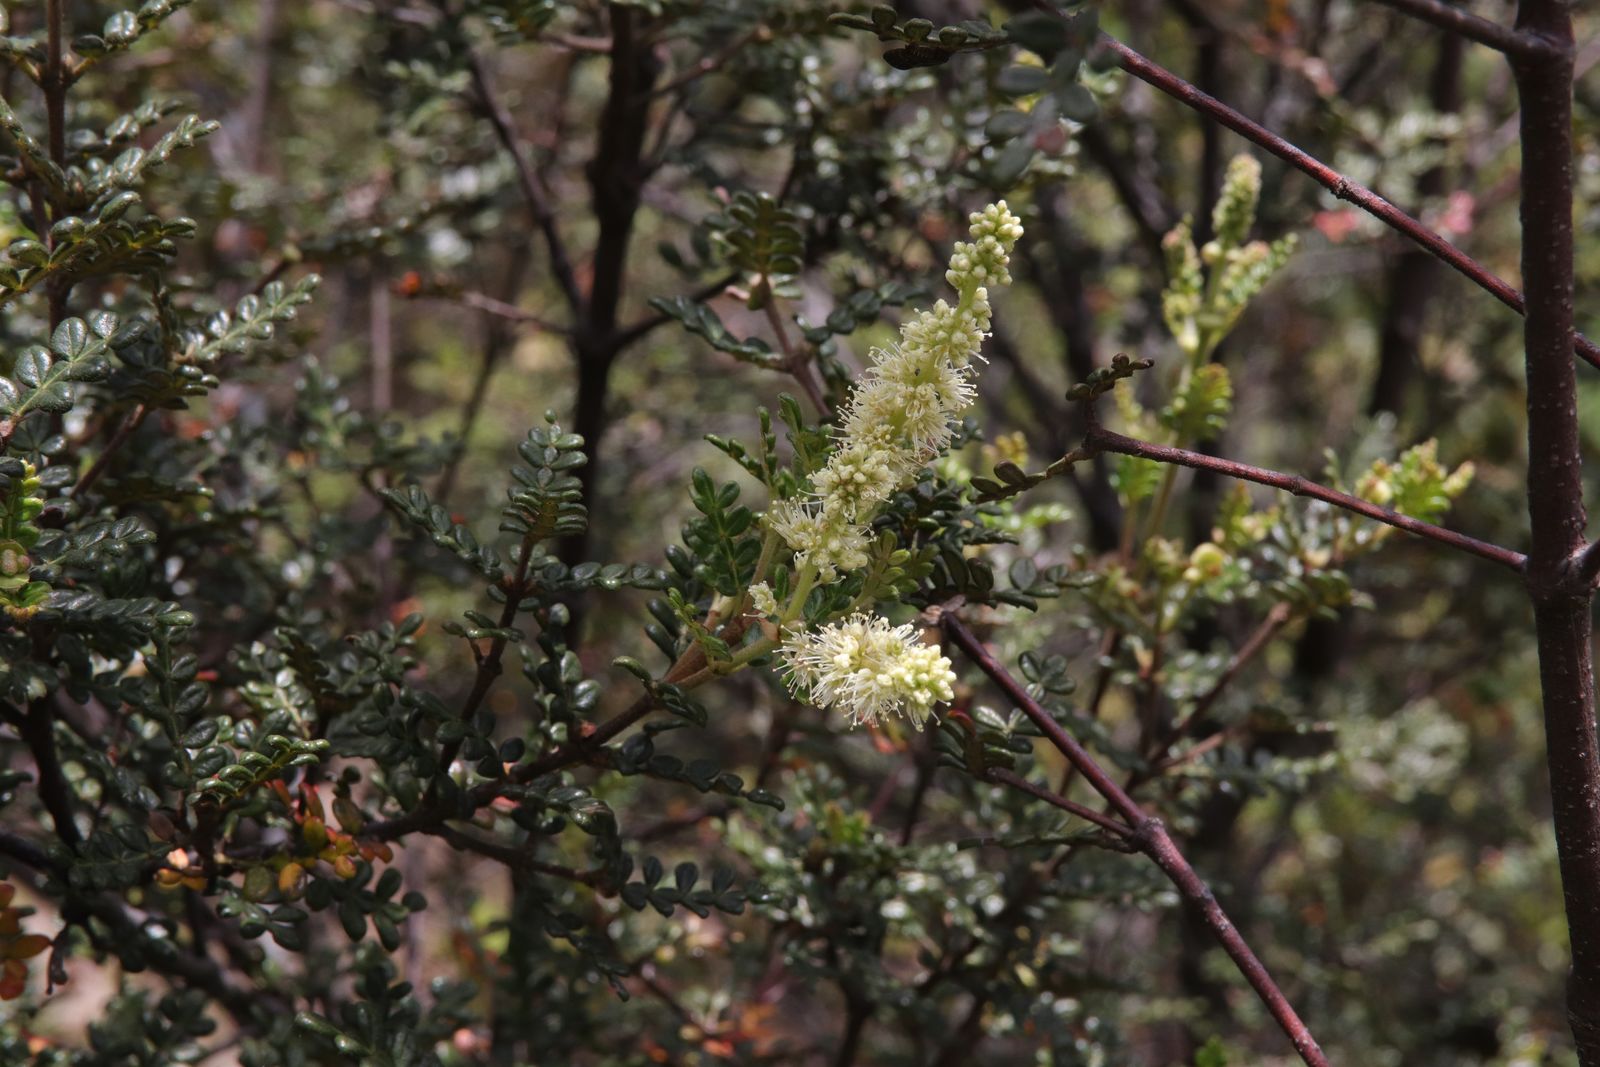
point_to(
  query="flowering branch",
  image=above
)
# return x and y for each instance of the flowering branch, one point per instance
(1149, 835)
(1099, 439)
(1338, 184)
(898, 418)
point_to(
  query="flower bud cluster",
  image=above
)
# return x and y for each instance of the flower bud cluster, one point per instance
(1208, 288)
(1235, 210)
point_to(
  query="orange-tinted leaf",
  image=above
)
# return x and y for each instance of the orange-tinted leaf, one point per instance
(26, 946)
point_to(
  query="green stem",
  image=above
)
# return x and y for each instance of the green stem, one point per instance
(769, 552)
(803, 584)
(749, 654)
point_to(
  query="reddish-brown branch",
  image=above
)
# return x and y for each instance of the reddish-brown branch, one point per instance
(707, 64)
(1101, 439)
(1466, 24)
(1150, 837)
(1071, 807)
(1562, 599)
(119, 437)
(1338, 184)
(1275, 620)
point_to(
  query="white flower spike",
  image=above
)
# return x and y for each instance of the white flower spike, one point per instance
(899, 417)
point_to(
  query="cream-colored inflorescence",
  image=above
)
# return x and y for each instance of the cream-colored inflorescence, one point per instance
(867, 668)
(899, 418)
(899, 415)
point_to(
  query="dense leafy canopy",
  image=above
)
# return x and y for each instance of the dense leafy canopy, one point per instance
(425, 637)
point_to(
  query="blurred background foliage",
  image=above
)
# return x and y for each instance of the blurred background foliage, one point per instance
(744, 196)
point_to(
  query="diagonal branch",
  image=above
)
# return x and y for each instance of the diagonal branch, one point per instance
(533, 190)
(493, 305)
(1150, 837)
(1277, 617)
(627, 335)
(1338, 184)
(1098, 438)
(1466, 24)
(1082, 811)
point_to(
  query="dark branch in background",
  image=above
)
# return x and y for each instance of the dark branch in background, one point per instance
(1338, 184)
(193, 971)
(26, 852)
(53, 81)
(1562, 599)
(162, 955)
(1409, 290)
(615, 176)
(1277, 617)
(1466, 24)
(1413, 277)
(1149, 836)
(533, 190)
(37, 726)
(1098, 438)
(118, 438)
(1143, 200)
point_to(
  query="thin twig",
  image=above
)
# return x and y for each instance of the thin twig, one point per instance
(497, 340)
(533, 190)
(500, 309)
(627, 335)
(1466, 24)
(1071, 807)
(711, 62)
(1342, 187)
(1150, 837)
(489, 664)
(1275, 620)
(1098, 437)
(118, 437)
(515, 857)
(1188, 755)
(795, 360)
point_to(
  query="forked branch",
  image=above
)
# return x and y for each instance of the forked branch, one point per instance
(1149, 836)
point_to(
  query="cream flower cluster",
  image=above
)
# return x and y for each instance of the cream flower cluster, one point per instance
(898, 419)
(869, 668)
(899, 415)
